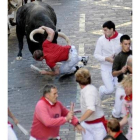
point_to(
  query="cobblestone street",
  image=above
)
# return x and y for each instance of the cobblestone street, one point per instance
(81, 21)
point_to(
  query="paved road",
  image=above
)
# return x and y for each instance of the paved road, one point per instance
(81, 20)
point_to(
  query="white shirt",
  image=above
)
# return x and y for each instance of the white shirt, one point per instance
(105, 48)
(90, 99)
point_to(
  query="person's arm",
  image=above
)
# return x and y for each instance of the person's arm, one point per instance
(117, 73)
(13, 117)
(109, 59)
(55, 71)
(86, 115)
(98, 51)
(123, 121)
(43, 116)
(74, 120)
(90, 98)
(50, 33)
(80, 129)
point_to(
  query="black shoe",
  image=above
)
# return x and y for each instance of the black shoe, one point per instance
(85, 60)
(77, 68)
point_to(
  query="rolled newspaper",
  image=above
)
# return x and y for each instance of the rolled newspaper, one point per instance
(35, 68)
(71, 109)
(23, 130)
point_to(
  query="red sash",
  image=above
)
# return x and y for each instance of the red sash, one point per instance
(102, 119)
(10, 124)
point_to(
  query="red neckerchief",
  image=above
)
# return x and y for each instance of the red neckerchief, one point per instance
(128, 97)
(10, 124)
(43, 98)
(114, 36)
(117, 134)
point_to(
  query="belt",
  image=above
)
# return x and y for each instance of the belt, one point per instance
(102, 119)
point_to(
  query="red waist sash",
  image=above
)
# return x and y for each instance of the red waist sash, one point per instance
(102, 119)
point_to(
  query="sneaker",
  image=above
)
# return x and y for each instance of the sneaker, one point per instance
(77, 68)
(85, 59)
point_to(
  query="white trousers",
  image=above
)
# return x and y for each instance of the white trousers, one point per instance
(119, 97)
(11, 133)
(109, 82)
(93, 131)
(69, 65)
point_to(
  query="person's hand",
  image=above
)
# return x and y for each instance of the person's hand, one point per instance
(15, 121)
(80, 129)
(43, 72)
(124, 69)
(110, 59)
(69, 116)
(42, 27)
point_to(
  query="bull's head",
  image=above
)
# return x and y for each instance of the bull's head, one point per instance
(42, 31)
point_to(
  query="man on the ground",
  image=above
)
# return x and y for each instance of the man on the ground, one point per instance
(53, 53)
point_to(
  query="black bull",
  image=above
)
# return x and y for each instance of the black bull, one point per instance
(31, 16)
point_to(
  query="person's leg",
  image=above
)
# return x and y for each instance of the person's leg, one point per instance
(119, 95)
(88, 135)
(108, 86)
(11, 134)
(25, 1)
(99, 131)
(70, 65)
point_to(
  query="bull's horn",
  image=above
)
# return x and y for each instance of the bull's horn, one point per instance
(41, 31)
(60, 34)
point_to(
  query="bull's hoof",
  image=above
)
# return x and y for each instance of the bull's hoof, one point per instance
(18, 58)
(12, 22)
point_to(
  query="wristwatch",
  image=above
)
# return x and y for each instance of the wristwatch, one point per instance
(77, 123)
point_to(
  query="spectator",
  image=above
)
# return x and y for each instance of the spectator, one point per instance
(92, 118)
(107, 47)
(113, 129)
(127, 105)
